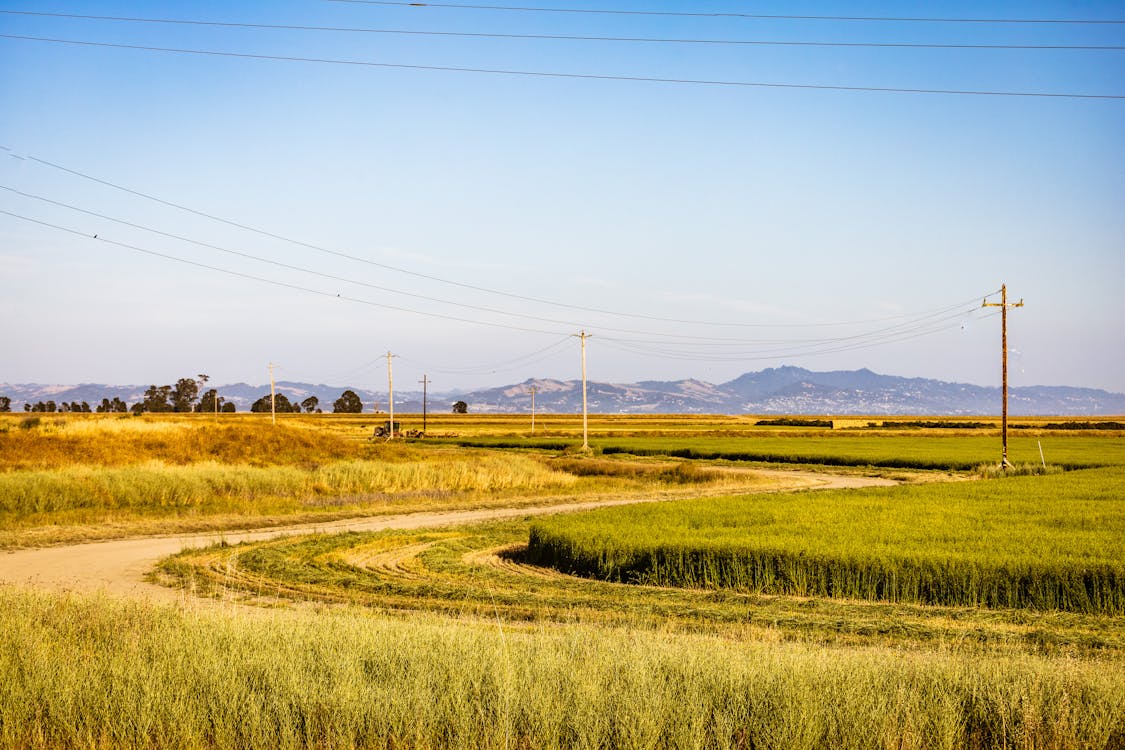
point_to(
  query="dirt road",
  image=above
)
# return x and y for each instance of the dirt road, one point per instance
(119, 566)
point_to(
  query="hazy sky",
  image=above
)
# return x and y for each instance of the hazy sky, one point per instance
(694, 229)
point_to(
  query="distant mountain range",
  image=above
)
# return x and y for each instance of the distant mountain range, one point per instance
(780, 390)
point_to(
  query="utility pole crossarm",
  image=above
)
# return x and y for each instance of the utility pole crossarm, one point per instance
(1003, 304)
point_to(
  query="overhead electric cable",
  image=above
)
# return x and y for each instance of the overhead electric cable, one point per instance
(700, 340)
(428, 277)
(273, 282)
(527, 359)
(575, 76)
(291, 267)
(567, 37)
(732, 14)
(763, 356)
(793, 346)
(689, 350)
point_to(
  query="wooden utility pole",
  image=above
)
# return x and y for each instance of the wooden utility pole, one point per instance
(1003, 305)
(425, 381)
(390, 397)
(273, 396)
(585, 424)
(533, 392)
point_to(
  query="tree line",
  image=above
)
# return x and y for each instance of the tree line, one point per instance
(185, 397)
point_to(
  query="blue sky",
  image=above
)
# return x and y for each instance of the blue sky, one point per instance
(830, 229)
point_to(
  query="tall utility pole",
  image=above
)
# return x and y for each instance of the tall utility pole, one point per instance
(425, 381)
(391, 396)
(1003, 305)
(585, 424)
(273, 396)
(533, 392)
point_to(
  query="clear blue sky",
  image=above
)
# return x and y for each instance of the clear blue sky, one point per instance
(774, 215)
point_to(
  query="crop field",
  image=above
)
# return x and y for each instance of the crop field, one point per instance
(735, 613)
(1043, 542)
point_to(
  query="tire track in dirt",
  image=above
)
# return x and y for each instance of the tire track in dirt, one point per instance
(119, 567)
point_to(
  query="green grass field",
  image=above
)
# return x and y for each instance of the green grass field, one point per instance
(1044, 542)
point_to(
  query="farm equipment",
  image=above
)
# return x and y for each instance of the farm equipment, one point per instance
(387, 429)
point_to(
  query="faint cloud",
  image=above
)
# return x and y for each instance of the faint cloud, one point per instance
(595, 281)
(411, 260)
(16, 263)
(744, 306)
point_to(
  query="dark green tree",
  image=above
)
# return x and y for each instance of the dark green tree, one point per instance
(5, 404)
(282, 405)
(460, 407)
(207, 403)
(348, 403)
(184, 394)
(310, 404)
(156, 399)
(228, 408)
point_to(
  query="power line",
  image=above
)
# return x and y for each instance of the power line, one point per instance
(836, 346)
(696, 340)
(291, 267)
(274, 282)
(568, 37)
(768, 355)
(576, 76)
(848, 343)
(757, 16)
(318, 248)
(702, 340)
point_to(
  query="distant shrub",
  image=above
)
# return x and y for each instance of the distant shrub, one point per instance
(792, 422)
(1084, 426)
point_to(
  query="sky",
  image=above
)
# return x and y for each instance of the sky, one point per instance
(317, 198)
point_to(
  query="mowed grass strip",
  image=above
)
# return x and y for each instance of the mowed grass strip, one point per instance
(1052, 542)
(99, 673)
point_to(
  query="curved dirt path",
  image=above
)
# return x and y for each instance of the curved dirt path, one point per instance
(119, 567)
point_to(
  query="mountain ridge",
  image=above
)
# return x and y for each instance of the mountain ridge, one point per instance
(780, 390)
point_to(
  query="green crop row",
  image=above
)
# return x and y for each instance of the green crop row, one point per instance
(1051, 542)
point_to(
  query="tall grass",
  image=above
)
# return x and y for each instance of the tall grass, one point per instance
(95, 673)
(1050, 542)
(62, 442)
(81, 494)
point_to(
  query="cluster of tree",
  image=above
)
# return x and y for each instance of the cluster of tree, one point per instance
(282, 405)
(184, 396)
(181, 397)
(51, 406)
(108, 406)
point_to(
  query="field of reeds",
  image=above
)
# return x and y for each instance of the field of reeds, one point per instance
(1049, 542)
(142, 676)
